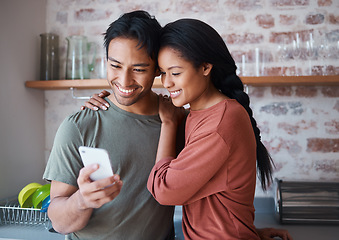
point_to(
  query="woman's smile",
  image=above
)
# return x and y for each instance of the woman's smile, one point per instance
(175, 94)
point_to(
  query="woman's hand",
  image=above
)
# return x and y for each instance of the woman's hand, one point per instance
(170, 114)
(97, 101)
(272, 233)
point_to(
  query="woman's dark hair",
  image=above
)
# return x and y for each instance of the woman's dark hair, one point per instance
(138, 25)
(200, 43)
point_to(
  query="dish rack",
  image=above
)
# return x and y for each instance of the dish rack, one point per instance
(12, 213)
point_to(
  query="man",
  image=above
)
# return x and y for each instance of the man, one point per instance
(129, 130)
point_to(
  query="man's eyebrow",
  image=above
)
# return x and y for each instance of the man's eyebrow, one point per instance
(141, 65)
(135, 65)
(114, 60)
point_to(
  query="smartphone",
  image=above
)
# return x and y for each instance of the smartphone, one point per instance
(100, 156)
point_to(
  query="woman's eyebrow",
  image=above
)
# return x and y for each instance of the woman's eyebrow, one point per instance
(173, 67)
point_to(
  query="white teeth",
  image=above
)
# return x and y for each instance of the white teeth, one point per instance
(125, 91)
(175, 93)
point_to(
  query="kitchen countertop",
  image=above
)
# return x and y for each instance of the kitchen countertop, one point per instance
(264, 217)
(27, 232)
(299, 231)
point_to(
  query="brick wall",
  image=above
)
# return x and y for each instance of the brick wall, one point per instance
(299, 124)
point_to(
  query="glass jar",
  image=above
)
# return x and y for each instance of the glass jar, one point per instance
(49, 59)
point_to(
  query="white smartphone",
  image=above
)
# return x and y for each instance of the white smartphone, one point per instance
(100, 156)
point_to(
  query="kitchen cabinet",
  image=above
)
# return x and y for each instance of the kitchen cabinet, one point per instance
(251, 81)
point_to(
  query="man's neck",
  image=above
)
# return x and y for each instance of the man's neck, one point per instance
(148, 105)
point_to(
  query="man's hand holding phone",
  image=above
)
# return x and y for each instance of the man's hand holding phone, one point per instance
(97, 183)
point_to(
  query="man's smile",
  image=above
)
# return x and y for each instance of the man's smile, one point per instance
(125, 91)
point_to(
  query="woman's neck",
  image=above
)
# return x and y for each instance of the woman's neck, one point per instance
(210, 97)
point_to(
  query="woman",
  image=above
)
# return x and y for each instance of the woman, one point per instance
(214, 176)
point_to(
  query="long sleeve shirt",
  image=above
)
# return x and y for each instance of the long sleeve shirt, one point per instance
(214, 176)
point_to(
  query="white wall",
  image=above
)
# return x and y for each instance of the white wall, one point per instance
(21, 109)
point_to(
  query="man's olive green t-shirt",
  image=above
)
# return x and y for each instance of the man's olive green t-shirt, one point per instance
(131, 141)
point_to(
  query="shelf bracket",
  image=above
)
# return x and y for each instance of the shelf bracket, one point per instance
(76, 97)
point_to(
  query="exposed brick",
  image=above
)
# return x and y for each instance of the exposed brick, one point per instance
(334, 127)
(276, 145)
(301, 2)
(331, 91)
(325, 70)
(278, 37)
(327, 166)
(306, 91)
(276, 109)
(290, 129)
(333, 19)
(287, 19)
(273, 71)
(250, 56)
(107, 1)
(196, 6)
(237, 55)
(336, 106)
(293, 129)
(151, 7)
(333, 35)
(317, 70)
(76, 30)
(323, 3)
(296, 108)
(237, 19)
(281, 91)
(288, 71)
(257, 92)
(244, 4)
(282, 108)
(331, 70)
(91, 14)
(242, 39)
(62, 17)
(322, 145)
(83, 2)
(264, 127)
(278, 166)
(265, 20)
(282, 3)
(314, 19)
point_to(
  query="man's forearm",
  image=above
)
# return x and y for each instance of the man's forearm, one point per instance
(67, 214)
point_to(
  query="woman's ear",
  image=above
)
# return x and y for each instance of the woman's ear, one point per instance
(207, 68)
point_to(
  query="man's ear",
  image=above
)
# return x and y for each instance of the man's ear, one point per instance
(207, 68)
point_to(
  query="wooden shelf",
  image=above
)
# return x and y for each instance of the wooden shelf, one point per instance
(253, 81)
(291, 80)
(79, 84)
